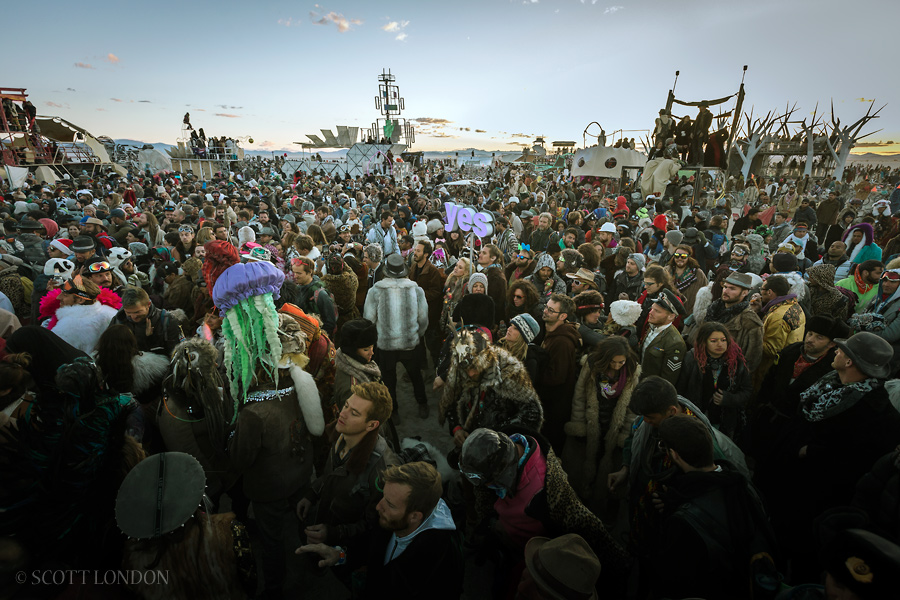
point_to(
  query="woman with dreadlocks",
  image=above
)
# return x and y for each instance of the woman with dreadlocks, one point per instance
(276, 402)
(715, 377)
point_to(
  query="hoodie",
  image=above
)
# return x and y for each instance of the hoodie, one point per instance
(440, 518)
(890, 308)
(865, 250)
(545, 291)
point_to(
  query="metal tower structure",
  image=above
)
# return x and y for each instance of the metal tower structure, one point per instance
(389, 102)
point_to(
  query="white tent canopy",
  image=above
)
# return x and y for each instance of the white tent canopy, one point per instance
(465, 182)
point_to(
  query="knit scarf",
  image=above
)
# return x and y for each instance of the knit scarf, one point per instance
(609, 391)
(720, 313)
(828, 397)
(861, 284)
(686, 279)
(361, 372)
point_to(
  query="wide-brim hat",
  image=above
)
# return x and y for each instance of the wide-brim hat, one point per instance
(564, 567)
(159, 495)
(870, 353)
(583, 275)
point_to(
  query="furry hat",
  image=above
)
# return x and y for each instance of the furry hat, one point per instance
(117, 256)
(434, 225)
(477, 278)
(138, 248)
(475, 309)
(625, 312)
(420, 230)
(59, 266)
(356, 334)
(246, 234)
(374, 252)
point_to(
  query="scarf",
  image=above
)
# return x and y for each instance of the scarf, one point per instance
(361, 373)
(773, 303)
(610, 391)
(861, 285)
(686, 279)
(828, 397)
(720, 313)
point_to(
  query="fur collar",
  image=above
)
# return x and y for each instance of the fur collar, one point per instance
(149, 370)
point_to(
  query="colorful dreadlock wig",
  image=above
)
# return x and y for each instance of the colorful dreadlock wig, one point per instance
(244, 294)
(219, 256)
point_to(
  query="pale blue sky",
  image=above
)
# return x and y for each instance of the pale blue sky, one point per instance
(505, 67)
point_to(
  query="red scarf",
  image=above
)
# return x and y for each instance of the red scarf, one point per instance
(861, 285)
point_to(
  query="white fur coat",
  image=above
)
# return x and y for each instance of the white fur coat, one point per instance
(399, 311)
(82, 325)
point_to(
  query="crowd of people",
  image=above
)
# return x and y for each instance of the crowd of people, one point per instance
(643, 397)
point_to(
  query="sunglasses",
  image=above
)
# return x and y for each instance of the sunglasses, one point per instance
(681, 255)
(737, 252)
(99, 267)
(890, 275)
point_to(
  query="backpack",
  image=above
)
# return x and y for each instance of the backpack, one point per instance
(315, 300)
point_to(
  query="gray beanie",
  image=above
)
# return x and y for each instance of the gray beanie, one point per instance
(674, 237)
(476, 278)
(640, 259)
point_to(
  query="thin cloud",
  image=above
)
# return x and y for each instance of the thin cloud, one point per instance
(82, 65)
(864, 100)
(395, 26)
(480, 131)
(342, 23)
(400, 37)
(102, 109)
(53, 104)
(289, 22)
(228, 115)
(112, 59)
(145, 101)
(874, 144)
(70, 89)
(611, 10)
(116, 99)
(432, 120)
(226, 107)
(267, 144)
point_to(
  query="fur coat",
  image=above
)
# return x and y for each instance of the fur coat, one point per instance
(585, 423)
(343, 287)
(399, 311)
(509, 398)
(82, 325)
